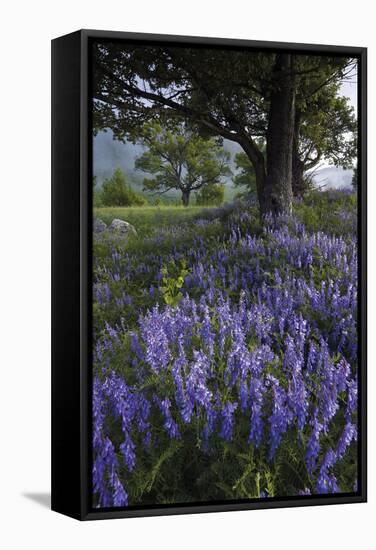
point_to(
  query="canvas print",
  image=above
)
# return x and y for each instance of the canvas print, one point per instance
(224, 274)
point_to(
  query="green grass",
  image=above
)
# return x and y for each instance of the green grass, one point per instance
(146, 218)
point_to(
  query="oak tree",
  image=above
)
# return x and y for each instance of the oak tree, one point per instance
(180, 159)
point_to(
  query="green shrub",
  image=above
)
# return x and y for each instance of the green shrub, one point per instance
(212, 195)
(116, 192)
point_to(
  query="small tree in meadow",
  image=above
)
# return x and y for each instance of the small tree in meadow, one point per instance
(116, 192)
(211, 195)
(181, 160)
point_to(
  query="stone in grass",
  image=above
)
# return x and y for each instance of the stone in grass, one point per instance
(99, 226)
(122, 227)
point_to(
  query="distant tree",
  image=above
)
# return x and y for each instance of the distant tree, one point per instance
(211, 195)
(116, 192)
(180, 159)
(97, 195)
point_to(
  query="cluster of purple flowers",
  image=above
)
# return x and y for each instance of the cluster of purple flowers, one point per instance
(265, 335)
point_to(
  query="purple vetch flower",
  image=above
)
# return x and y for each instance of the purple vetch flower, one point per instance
(313, 444)
(281, 416)
(293, 364)
(178, 369)
(298, 329)
(98, 412)
(136, 347)
(141, 418)
(206, 332)
(158, 354)
(169, 423)
(197, 393)
(298, 400)
(259, 358)
(352, 398)
(293, 360)
(239, 358)
(228, 420)
(328, 392)
(209, 427)
(343, 372)
(120, 497)
(327, 483)
(348, 435)
(256, 392)
(112, 332)
(128, 450)
(225, 320)
(105, 463)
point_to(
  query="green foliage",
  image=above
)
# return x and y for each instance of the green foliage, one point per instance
(246, 176)
(320, 211)
(173, 280)
(180, 159)
(327, 127)
(116, 192)
(97, 195)
(211, 195)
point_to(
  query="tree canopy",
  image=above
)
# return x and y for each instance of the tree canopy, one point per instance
(180, 159)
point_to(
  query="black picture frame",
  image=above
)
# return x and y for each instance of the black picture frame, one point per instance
(71, 275)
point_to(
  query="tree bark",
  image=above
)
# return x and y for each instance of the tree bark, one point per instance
(185, 197)
(277, 197)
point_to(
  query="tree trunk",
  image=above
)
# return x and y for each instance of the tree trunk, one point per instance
(278, 188)
(185, 197)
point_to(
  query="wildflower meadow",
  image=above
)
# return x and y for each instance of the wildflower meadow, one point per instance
(225, 353)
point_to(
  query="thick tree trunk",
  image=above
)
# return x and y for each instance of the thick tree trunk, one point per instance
(277, 197)
(185, 197)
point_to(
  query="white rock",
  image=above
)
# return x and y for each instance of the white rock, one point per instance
(123, 227)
